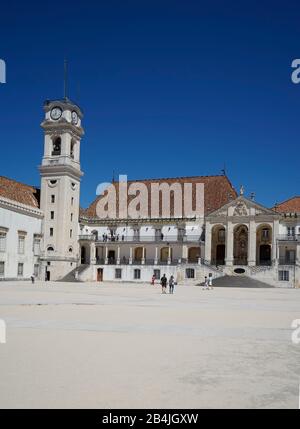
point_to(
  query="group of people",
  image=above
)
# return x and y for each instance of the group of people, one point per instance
(164, 283)
(112, 237)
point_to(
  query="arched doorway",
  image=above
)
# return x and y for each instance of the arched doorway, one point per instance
(263, 245)
(193, 254)
(83, 255)
(264, 254)
(218, 245)
(138, 254)
(240, 245)
(220, 254)
(111, 256)
(164, 254)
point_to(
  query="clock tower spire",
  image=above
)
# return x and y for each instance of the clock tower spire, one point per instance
(60, 186)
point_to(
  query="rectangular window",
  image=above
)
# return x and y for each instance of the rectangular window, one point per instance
(2, 241)
(190, 273)
(137, 274)
(283, 276)
(265, 233)
(20, 270)
(51, 232)
(51, 215)
(52, 198)
(36, 270)
(118, 273)
(71, 233)
(157, 274)
(2, 269)
(21, 244)
(36, 247)
(71, 217)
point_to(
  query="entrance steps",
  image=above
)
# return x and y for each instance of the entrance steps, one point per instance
(239, 282)
(70, 277)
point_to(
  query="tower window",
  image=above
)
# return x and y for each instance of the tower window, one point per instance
(51, 232)
(52, 198)
(56, 147)
(71, 233)
(72, 149)
(71, 217)
(51, 215)
(72, 200)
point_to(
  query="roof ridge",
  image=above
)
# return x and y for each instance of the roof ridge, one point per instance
(177, 177)
(285, 201)
(18, 182)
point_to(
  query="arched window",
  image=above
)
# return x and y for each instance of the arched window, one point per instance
(72, 148)
(56, 147)
(50, 249)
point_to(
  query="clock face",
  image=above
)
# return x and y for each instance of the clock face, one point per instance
(56, 113)
(74, 117)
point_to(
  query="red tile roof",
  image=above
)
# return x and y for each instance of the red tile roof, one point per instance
(19, 192)
(218, 191)
(291, 205)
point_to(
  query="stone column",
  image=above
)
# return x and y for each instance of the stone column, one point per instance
(208, 242)
(93, 253)
(252, 243)
(229, 244)
(156, 256)
(106, 255)
(275, 232)
(143, 255)
(169, 256)
(184, 252)
(118, 255)
(130, 255)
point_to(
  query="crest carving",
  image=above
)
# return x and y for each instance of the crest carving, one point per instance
(240, 209)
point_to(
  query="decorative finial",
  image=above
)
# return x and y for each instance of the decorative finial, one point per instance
(242, 190)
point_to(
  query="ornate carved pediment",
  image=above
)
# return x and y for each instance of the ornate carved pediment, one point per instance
(240, 209)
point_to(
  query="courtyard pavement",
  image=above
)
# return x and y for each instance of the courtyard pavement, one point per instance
(128, 346)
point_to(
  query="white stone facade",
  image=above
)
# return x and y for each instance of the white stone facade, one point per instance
(240, 238)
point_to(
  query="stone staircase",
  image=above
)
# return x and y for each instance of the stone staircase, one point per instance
(70, 277)
(239, 282)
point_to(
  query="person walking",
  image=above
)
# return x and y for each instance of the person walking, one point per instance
(171, 285)
(153, 280)
(163, 282)
(210, 281)
(205, 286)
(32, 278)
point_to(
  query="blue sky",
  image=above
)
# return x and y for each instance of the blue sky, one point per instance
(168, 88)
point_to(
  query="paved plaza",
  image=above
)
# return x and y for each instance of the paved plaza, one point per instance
(128, 346)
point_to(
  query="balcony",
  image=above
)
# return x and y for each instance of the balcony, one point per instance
(87, 237)
(147, 261)
(149, 239)
(285, 237)
(286, 261)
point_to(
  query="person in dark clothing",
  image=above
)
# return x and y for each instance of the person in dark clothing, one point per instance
(163, 282)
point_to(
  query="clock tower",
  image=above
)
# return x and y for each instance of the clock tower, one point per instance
(60, 187)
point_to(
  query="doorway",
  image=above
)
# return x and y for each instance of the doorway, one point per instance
(99, 274)
(220, 254)
(265, 254)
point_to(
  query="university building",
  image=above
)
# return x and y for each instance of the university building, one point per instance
(44, 231)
